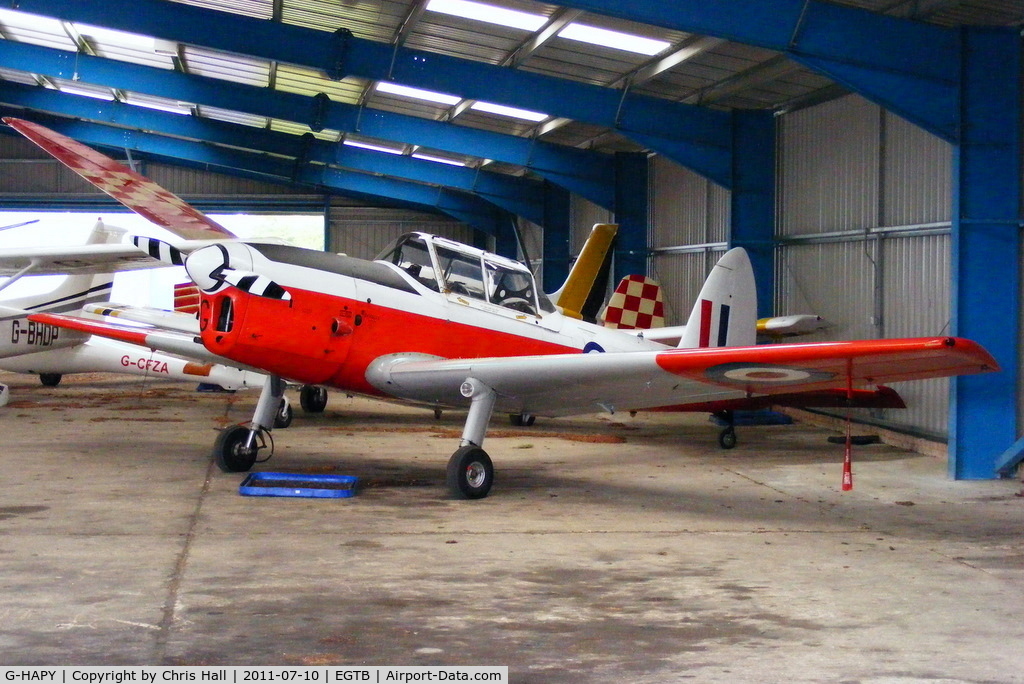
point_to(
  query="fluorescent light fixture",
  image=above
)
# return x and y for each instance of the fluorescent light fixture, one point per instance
(371, 146)
(439, 160)
(478, 11)
(86, 92)
(613, 39)
(417, 93)
(502, 110)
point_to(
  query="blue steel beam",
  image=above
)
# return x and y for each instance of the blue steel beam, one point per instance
(588, 174)
(517, 195)
(461, 206)
(908, 67)
(671, 127)
(631, 213)
(753, 200)
(986, 243)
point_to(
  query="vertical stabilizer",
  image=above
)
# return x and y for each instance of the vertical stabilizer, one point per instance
(725, 313)
(636, 304)
(573, 294)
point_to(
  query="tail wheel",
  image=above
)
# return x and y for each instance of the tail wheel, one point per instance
(313, 398)
(284, 414)
(230, 451)
(470, 473)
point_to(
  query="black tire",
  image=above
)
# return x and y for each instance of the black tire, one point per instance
(470, 473)
(229, 450)
(284, 415)
(727, 438)
(50, 379)
(522, 419)
(313, 398)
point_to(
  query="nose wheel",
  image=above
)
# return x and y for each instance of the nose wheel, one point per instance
(234, 452)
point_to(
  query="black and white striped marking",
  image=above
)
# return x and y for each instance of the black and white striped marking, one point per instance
(158, 249)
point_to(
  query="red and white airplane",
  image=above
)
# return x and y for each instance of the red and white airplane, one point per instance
(439, 323)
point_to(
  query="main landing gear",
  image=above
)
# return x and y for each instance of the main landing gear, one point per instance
(237, 447)
(470, 471)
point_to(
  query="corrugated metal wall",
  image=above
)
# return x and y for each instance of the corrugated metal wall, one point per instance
(864, 208)
(363, 232)
(689, 227)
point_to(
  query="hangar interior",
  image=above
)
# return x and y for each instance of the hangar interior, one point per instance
(867, 153)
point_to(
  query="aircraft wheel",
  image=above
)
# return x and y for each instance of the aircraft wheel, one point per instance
(522, 419)
(727, 438)
(313, 398)
(230, 452)
(284, 415)
(50, 379)
(470, 473)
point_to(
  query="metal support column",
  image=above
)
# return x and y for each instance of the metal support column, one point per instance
(557, 257)
(986, 247)
(631, 213)
(753, 199)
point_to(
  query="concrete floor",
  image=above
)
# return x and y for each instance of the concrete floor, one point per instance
(610, 550)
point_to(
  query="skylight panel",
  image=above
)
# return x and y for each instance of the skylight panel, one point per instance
(417, 93)
(615, 40)
(502, 16)
(514, 112)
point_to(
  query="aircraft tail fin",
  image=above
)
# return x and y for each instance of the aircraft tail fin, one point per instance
(575, 291)
(725, 313)
(636, 304)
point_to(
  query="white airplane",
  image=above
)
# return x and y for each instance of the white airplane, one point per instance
(50, 352)
(443, 324)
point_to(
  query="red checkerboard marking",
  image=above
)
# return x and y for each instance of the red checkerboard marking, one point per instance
(635, 304)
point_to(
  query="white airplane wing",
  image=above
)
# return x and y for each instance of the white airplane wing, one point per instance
(567, 384)
(101, 258)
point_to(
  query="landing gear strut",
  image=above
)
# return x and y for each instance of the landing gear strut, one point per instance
(470, 471)
(237, 447)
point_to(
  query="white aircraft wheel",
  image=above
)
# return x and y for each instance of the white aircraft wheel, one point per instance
(727, 438)
(470, 473)
(284, 415)
(230, 452)
(313, 398)
(50, 379)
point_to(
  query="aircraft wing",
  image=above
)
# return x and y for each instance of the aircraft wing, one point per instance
(567, 384)
(99, 258)
(174, 342)
(131, 189)
(173, 320)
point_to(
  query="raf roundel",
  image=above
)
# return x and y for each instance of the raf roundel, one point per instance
(764, 374)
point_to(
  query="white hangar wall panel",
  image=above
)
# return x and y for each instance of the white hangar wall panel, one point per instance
(689, 228)
(863, 229)
(364, 232)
